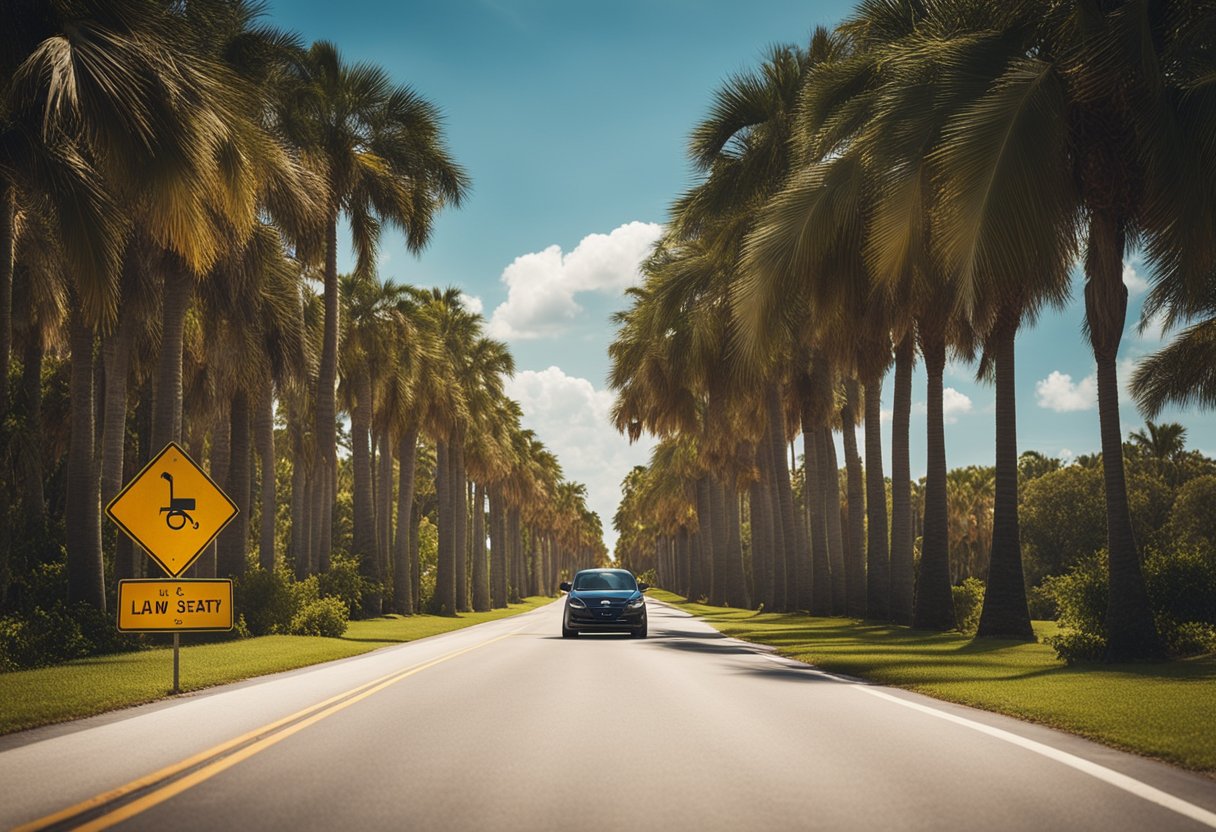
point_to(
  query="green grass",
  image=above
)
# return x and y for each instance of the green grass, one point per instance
(84, 687)
(1165, 710)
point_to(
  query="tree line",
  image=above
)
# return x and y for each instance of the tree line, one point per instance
(175, 183)
(915, 184)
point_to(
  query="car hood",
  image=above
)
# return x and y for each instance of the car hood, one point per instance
(594, 596)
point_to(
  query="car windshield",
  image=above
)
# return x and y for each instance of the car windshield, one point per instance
(604, 580)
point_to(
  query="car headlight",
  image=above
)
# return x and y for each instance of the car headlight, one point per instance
(637, 603)
(577, 604)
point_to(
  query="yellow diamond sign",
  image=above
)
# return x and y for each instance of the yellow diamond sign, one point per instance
(172, 509)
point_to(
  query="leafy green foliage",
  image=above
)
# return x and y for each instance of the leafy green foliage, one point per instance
(1193, 516)
(320, 617)
(343, 582)
(968, 603)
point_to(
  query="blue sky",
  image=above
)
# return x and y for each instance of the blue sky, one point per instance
(571, 118)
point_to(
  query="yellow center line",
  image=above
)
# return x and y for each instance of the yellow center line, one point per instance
(319, 711)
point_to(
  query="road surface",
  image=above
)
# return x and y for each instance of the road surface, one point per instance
(506, 726)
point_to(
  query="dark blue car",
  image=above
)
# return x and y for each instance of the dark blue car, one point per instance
(604, 600)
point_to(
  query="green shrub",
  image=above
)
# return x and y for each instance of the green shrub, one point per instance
(1191, 638)
(343, 582)
(266, 601)
(1080, 595)
(1075, 646)
(968, 603)
(1182, 584)
(1042, 604)
(322, 617)
(41, 638)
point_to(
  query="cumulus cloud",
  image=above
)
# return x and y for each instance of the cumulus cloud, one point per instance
(954, 404)
(571, 417)
(541, 286)
(1060, 393)
(1133, 280)
(472, 303)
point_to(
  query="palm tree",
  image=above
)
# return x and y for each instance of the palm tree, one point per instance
(383, 160)
(1099, 124)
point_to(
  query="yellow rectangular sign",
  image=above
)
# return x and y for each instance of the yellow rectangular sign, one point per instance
(152, 605)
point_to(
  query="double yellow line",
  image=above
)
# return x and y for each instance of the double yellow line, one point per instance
(206, 764)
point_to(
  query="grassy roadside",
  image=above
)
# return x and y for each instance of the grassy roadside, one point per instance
(84, 687)
(1166, 711)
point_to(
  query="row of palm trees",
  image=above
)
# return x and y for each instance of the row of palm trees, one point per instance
(922, 179)
(174, 178)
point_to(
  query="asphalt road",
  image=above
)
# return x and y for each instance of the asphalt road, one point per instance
(507, 726)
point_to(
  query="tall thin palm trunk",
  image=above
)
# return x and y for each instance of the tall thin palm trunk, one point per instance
(363, 537)
(791, 557)
(878, 574)
(403, 583)
(445, 572)
(299, 522)
(516, 555)
(736, 583)
(481, 575)
(706, 533)
(263, 428)
(460, 522)
(178, 292)
(831, 491)
(1130, 629)
(902, 577)
(498, 557)
(234, 539)
(783, 592)
(1005, 612)
(934, 608)
(855, 557)
(82, 519)
(384, 508)
(325, 425)
(116, 354)
(762, 533)
(816, 497)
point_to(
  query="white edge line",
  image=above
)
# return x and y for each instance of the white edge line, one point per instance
(1100, 772)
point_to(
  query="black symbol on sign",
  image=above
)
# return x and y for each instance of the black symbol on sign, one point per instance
(177, 508)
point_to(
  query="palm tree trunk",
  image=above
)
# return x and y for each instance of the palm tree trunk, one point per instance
(516, 555)
(264, 441)
(403, 584)
(481, 574)
(855, 557)
(878, 574)
(1005, 613)
(299, 522)
(902, 578)
(831, 491)
(736, 579)
(498, 560)
(783, 594)
(816, 497)
(762, 533)
(934, 608)
(460, 522)
(705, 528)
(1130, 630)
(445, 574)
(415, 544)
(82, 519)
(234, 539)
(384, 508)
(116, 353)
(325, 431)
(363, 537)
(178, 292)
(8, 239)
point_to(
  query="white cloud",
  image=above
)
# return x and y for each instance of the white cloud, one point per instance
(572, 418)
(1066, 456)
(541, 286)
(1133, 280)
(1058, 392)
(954, 404)
(472, 303)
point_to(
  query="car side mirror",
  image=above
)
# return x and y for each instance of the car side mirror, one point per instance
(564, 586)
(642, 587)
